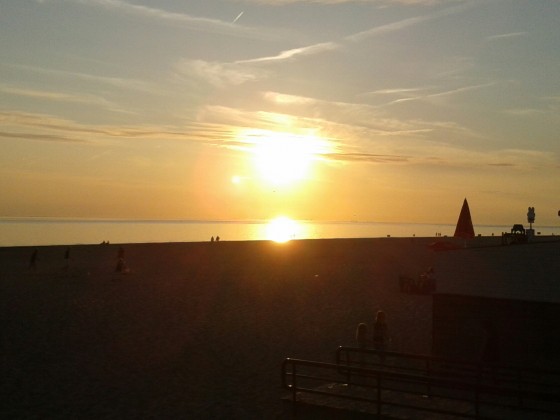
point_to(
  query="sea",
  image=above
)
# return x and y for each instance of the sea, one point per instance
(57, 231)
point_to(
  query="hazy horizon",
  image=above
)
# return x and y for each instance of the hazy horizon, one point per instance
(318, 110)
(261, 221)
(54, 231)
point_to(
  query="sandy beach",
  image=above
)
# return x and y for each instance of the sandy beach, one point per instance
(194, 330)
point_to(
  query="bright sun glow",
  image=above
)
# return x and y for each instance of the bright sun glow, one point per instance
(282, 229)
(283, 158)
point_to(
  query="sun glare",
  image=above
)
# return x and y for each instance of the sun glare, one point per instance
(282, 229)
(284, 158)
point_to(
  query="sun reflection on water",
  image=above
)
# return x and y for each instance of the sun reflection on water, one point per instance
(283, 229)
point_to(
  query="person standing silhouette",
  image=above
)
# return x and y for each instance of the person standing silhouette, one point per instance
(380, 332)
(120, 261)
(33, 260)
(361, 335)
(67, 259)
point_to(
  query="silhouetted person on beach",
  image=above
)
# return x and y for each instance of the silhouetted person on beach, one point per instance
(33, 260)
(217, 239)
(380, 332)
(212, 239)
(121, 265)
(362, 341)
(361, 335)
(67, 259)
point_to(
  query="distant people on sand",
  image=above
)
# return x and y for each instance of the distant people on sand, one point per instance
(33, 259)
(121, 264)
(425, 283)
(380, 332)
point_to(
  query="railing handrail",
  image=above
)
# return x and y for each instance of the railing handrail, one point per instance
(522, 378)
(452, 383)
(520, 375)
(457, 362)
(424, 380)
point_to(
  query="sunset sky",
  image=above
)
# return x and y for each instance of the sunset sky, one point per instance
(372, 110)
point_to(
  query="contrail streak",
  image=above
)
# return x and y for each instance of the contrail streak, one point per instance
(238, 16)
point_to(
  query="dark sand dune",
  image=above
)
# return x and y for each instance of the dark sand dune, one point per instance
(195, 330)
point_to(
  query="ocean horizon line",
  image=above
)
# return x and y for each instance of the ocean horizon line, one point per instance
(65, 219)
(31, 231)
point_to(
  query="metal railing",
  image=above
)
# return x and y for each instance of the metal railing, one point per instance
(521, 377)
(421, 386)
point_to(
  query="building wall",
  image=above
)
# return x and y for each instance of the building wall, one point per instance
(523, 272)
(513, 332)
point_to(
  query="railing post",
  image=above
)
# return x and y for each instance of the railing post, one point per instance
(519, 388)
(476, 401)
(429, 373)
(294, 390)
(378, 396)
(348, 374)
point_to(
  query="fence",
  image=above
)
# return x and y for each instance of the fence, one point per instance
(380, 383)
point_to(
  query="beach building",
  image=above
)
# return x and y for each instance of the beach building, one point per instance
(499, 304)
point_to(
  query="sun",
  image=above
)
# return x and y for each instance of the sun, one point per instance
(283, 158)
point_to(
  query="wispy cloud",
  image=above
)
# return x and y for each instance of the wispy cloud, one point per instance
(295, 52)
(449, 92)
(507, 36)
(523, 159)
(25, 125)
(120, 82)
(397, 91)
(84, 99)
(219, 74)
(390, 27)
(523, 112)
(211, 130)
(282, 98)
(360, 36)
(192, 22)
(362, 116)
(380, 2)
(358, 120)
(409, 22)
(368, 158)
(357, 134)
(40, 137)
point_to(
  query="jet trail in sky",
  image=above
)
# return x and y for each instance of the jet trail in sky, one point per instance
(238, 16)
